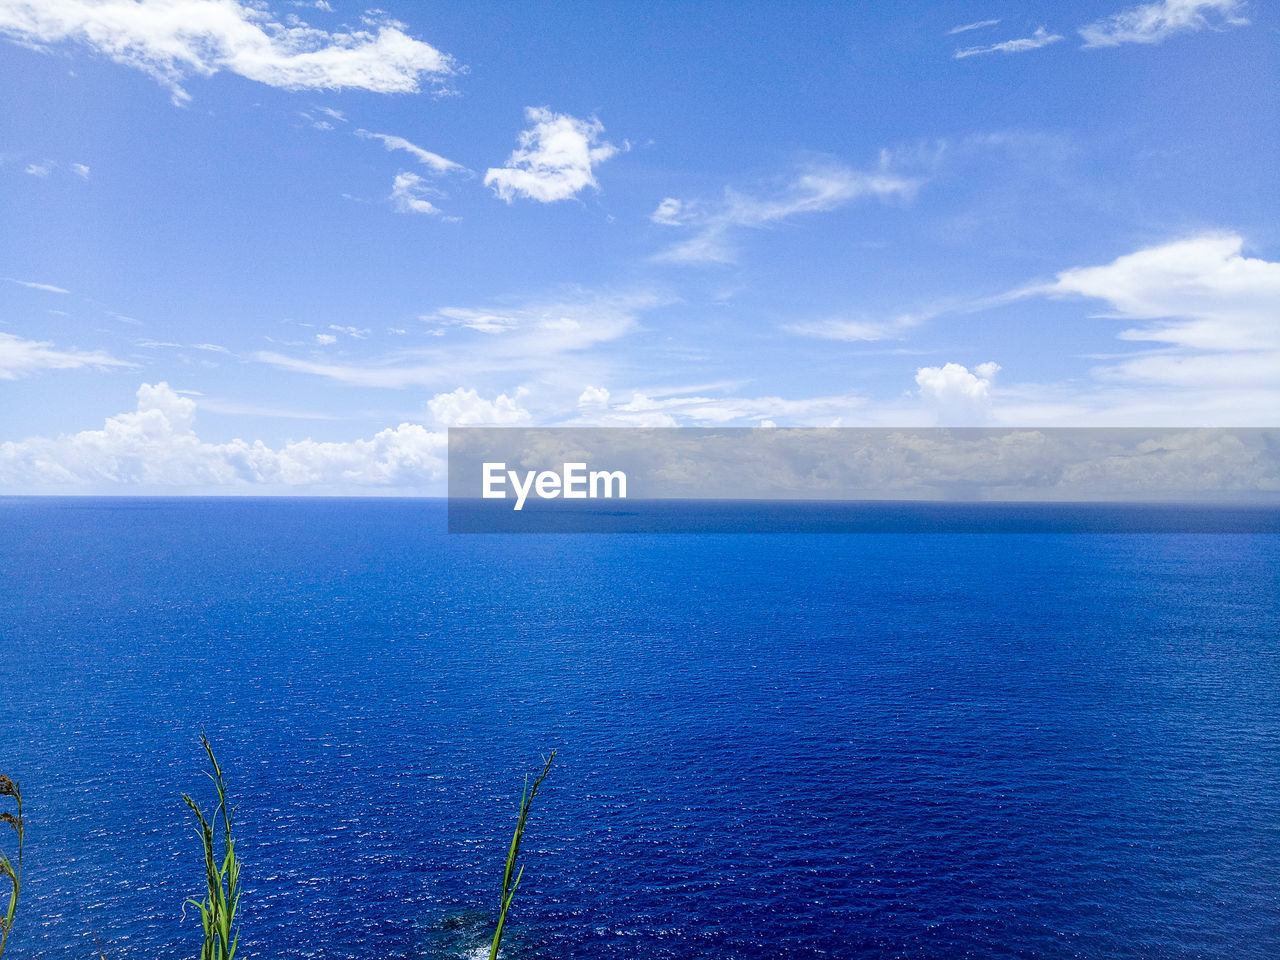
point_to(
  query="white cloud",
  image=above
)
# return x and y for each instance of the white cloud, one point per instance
(648, 409)
(1154, 22)
(358, 333)
(1203, 293)
(1214, 311)
(844, 328)
(593, 397)
(958, 394)
(466, 408)
(816, 188)
(81, 170)
(325, 339)
(172, 39)
(156, 446)
(31, 284)
(542, 338)
(668, 212)
(408, 193)
(433, 160)
(555, 159)
(966, 27)
(38, 169)
(21, 358)
(1041, 38)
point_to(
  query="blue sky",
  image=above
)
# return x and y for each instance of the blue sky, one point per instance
(281, 247)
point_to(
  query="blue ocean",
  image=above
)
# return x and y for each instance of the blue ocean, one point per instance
(1048, 745)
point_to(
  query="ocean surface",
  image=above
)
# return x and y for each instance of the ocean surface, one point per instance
(893, 745)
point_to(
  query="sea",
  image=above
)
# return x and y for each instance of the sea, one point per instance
(864, 745)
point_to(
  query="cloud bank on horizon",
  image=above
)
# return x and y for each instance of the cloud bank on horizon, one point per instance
(329, 225)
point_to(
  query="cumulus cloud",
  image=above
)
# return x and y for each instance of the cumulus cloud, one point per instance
(434, 161)
(594, 397)
(21, 358)
(170, 40)
(465, 407)
(38, 169)
(958, 394)
(81, 170)
(816, 188)
(555, 160)
(1041, 38)
(156, 445)
(1155, 22)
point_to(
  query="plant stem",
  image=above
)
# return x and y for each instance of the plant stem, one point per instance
(513, 853)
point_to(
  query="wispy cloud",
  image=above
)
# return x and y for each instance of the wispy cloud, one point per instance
(31, 284)
(1155, 22)
(816, 188)
(21, 358)
(647, 409)
(855, 329)
(1041, 38)
(173, 40)
(536, 338)
(433, 160)
(966, 27)
(555, 160)
(409, 194)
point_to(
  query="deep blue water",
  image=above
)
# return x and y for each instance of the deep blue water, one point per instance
(895, 745)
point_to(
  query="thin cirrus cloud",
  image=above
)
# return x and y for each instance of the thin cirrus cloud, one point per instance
(851, 329)
(428, 159)
(1155, 22)
(22, 358)
(1148, 23)
(33, 285)
(175, 39)
(817, 188)
(410, 192)
(538, 338)
(647, 409)
(555, 158)
(966, 27)
(47, 167)
(1040, 38)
